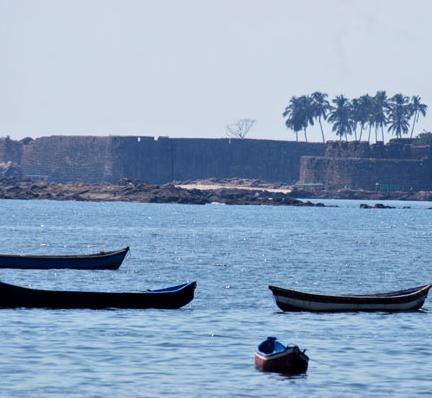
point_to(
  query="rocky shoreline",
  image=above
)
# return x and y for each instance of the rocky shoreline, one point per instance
(311, 193)
(229, 192)
(130, 191)
(362, 195)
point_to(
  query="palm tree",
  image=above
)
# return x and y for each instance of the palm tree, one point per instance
(321, 107)
(299, 114)
(380, 109)
(292, 115)
(364, 108)
(399, 114)
(417, 109)
(355, 115)
(370, 114)
(340, 117)
(307, 107)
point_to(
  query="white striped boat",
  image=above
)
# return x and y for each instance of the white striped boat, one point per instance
(402, 300)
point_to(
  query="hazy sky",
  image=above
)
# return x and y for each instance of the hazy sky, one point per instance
(187, 68)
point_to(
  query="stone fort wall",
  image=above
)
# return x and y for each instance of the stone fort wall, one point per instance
(358, 165)
(397, 165)
(108, 159)
(10, 150)
(65, 159)
(370, 174)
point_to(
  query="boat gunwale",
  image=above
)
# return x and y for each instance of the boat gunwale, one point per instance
(156, 292)
(384, 298)
(66, 256)
(273, 355)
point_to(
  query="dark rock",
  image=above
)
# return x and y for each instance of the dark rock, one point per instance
(381, 206)
(142, 192)
(376, 206)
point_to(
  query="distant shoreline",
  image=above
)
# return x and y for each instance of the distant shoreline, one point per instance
(229, 192)
(421, 196)
(132, 191)
(312, 193)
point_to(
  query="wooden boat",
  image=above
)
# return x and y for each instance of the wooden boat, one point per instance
(103, 260)
(12, 296)
(402, 300)
(273, 356)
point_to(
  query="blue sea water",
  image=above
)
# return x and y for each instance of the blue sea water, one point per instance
(206, 349)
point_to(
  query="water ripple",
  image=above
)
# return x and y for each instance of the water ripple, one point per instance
(207, 348)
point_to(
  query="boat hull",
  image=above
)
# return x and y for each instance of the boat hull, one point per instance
(288, 362)
(101, 261)
(12, 296)
(404, 300)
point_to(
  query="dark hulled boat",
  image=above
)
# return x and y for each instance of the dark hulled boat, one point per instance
(174, 297)
(100, 261)
(401, 300)
(273, 356)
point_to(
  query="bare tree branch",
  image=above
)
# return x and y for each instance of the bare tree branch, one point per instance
(240, 128)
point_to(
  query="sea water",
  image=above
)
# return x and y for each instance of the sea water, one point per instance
(206, 349)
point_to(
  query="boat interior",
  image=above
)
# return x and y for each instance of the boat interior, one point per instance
(271, 346)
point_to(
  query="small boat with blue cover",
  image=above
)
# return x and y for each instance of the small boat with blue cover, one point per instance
(12, 296)
(273, 356)
(110, 260)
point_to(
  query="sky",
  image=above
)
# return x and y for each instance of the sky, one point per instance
(188, 68)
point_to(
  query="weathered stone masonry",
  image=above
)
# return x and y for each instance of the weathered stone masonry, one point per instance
(395, 166)
(108, 159)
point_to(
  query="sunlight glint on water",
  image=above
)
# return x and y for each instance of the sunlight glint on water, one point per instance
(206, 348)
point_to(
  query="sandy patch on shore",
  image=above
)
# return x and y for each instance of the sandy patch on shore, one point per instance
(214, 187)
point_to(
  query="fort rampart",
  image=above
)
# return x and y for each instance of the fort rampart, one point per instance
(358, 165)
(108, 159)
(399, 165)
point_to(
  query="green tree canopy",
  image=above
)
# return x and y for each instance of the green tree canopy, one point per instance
(417, 109)
(399, 115)
(379, 112)
(320, 108)
(299, 114)
(340, 117)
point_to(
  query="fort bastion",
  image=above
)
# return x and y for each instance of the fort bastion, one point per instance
(399, 165)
